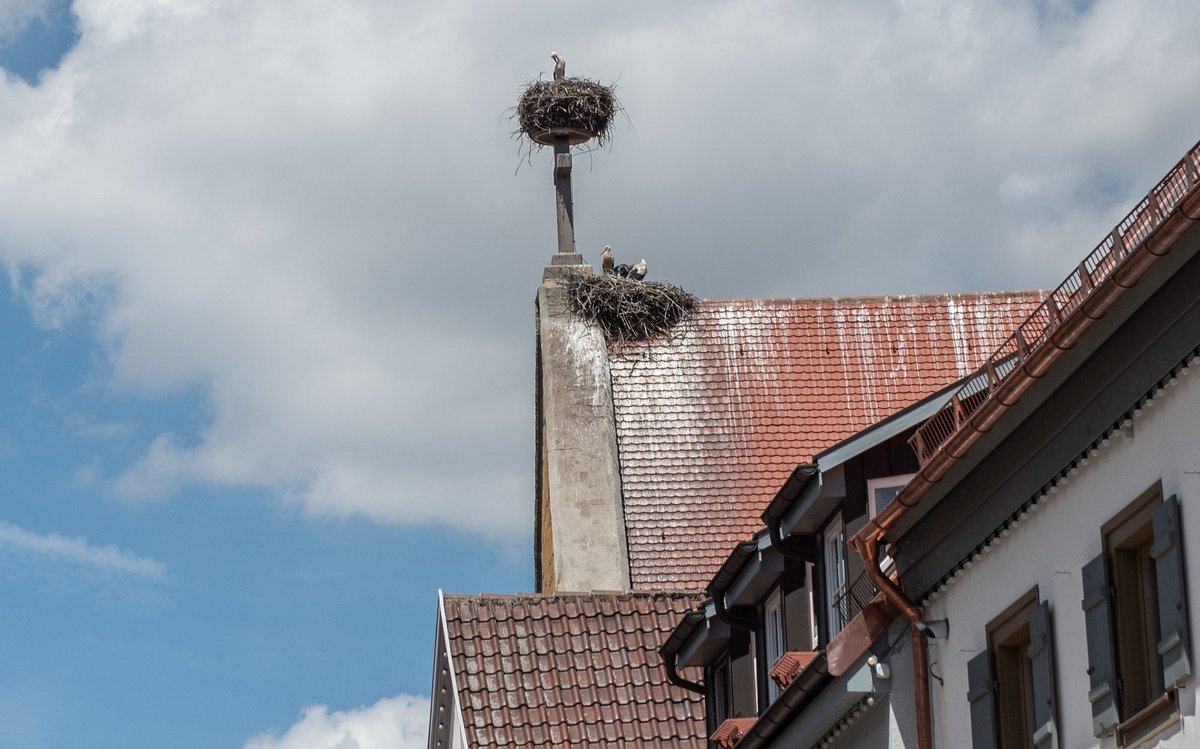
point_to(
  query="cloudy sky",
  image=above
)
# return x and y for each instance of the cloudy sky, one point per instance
(270, 269)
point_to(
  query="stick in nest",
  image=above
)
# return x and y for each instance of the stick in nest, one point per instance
(579, 104)
(628, 310)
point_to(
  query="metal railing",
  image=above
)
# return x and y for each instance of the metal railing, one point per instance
(852, 598)
(1031, 335)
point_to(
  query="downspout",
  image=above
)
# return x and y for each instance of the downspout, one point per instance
(727, 616)
(669, 651)
(868, 549)
(670, 661)
(802, 547)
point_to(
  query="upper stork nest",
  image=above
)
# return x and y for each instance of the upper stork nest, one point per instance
(628, 310)
(577, 108)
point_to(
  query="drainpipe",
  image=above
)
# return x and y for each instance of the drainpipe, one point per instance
(868, 549)
(804, 547)
(670, 660)
(669, 651)
(727, 616)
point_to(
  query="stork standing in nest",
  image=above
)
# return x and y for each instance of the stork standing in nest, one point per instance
(606, 260)
(637, 271)
(560, 66)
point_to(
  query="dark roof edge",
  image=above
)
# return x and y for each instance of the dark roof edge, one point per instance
(734, 563)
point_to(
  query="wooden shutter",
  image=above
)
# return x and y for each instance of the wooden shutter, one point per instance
(1172, 598)
(1041, 661)
(983, 705)
(1097, 614)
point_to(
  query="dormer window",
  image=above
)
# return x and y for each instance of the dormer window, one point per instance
(883, 490)
(773, 637)
(835, 549)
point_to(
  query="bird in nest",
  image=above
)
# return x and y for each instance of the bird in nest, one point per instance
(637, 271)
(606, 259)
(560, 66)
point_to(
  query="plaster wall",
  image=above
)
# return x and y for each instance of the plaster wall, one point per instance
(1048, 550)
(582, 518)
(890, 724)
(876, 729)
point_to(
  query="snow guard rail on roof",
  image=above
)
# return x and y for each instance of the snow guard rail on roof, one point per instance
(1034, 333)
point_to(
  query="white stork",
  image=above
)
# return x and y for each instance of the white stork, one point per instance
(560, 66)
(638, 271)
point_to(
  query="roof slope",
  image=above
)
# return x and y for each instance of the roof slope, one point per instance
(711, 421)
(570, 670)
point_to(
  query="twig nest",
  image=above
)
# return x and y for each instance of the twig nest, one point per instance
(628, 310)
(575, 108)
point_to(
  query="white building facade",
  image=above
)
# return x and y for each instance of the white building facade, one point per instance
(1041, 559)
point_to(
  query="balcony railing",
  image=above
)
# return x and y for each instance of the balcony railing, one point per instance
(1033, 334)
(851, 599)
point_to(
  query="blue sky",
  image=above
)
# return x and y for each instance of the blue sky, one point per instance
(270, 267)
(198, 622)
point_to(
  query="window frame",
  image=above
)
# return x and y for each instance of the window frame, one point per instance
(1018, 661)
(1009, 642)
(884, 482)
(721, 691)
(1128, 540)
(773, 635)
(833, 559)
(1135, 605)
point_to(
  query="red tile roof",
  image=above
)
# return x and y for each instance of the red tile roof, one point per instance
(711, 420)
(570, 670)
(731, 730)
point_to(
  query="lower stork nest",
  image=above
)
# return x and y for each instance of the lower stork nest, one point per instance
(629, 310)
(572, 104)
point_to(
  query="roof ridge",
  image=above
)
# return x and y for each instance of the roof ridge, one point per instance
(947, 296)
(575, 595)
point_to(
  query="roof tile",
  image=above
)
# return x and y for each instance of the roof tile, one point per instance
(603, 685)
(712, 420)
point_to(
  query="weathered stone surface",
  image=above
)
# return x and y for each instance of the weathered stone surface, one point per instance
(581, 515)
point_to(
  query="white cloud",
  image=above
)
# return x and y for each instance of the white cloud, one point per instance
(307, 210)
(397, 722)
(16, 15)
(77, 550)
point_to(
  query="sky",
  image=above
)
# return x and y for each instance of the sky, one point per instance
(270, 274)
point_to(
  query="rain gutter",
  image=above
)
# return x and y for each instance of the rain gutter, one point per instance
(804, 546)
(670, 651)
(1008, 391)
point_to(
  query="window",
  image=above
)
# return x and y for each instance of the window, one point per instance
(1136, 616)
(773, 641)
(1011, 684)
(883, 490)
(835, 549)
(720, 697)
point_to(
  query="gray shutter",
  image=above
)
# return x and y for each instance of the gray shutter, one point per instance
(1041, 658)
(1172, 599)
(983, 706)
(1097, 615)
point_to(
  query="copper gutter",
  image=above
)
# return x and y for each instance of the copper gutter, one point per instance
(869, 551)
(1004, 391)
(1036, 362)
